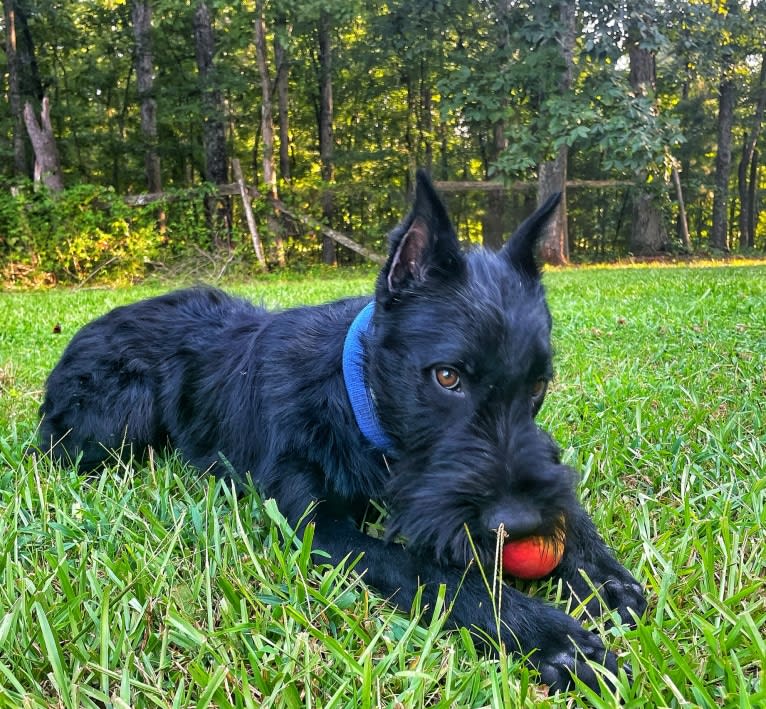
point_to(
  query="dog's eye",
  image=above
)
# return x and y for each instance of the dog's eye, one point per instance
(538, 389)
(447, 378)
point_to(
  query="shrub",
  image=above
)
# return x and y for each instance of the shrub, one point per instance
(82, 233)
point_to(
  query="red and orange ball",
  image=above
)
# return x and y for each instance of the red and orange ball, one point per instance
(533, 557)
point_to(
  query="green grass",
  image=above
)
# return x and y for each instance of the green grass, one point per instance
(150, 586)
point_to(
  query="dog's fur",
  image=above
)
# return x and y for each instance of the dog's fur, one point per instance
(217, 378)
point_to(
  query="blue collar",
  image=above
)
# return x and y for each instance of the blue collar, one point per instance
(362, 401)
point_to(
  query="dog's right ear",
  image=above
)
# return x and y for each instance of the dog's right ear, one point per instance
(424, 245)
(520, 249)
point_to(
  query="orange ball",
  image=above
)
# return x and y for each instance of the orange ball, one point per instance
(533, 557)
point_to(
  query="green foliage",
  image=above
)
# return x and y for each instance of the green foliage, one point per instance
(85, 231)
(421, 83)
(150, 585)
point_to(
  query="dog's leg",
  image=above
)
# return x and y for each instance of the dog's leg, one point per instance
(587, 553)
(557, 645)
(92, 412)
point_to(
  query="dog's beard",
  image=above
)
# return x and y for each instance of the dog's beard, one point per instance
(440, 500)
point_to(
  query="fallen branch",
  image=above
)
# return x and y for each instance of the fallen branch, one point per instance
(235, 188)
(141, 200)
(246, 205)
(336, 236)
(491, 186)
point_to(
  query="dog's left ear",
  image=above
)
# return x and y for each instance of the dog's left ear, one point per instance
(425, 245)
(520, 249)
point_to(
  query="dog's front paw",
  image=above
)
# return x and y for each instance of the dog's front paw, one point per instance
(565, 656)
(606, 583)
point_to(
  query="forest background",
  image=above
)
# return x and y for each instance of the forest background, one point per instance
(133, 133)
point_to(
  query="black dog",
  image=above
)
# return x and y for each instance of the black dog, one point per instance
(424, 397)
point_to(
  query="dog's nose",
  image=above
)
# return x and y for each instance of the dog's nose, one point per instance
(518, 519)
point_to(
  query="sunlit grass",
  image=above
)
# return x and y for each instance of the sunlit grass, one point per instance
(152, 586)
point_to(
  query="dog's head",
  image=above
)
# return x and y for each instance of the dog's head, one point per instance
(459, 362)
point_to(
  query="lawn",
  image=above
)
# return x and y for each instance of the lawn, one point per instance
(151, 586)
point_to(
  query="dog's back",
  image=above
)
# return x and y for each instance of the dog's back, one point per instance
(106, 393)
(216, 378)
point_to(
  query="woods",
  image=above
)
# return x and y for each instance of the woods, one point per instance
(330, 107)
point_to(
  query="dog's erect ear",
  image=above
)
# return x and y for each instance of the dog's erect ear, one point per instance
(520, 249)
(425, 244)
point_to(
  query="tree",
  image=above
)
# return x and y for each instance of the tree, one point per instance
(213, 134)
(748, 170)
(552, 174)
(727, 96)
(325, 126)
(14, 89)
(719, 232)
(714, 53)
(47, 161)
(494, 227)
(417, 62)
(142, 29)
(267, 121)
(282, 62)
(23, 78)
(647, 233)
(267, 126)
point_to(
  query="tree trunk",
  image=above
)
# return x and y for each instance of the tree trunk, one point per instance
(494, 222)
(747, 205)
(647, 220)
(426, 120)
(554, 242)
(213, 135)
(282, 60)
(409, 127)
(719, 230)
(752, 200)
(648, 234)
(267, 129)
(683, 224)
(552, 175)
(24, 82)
(14, 90)
(142, 29)
(326, 139)
(267, 121)
(685, 162)
(47, 162)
